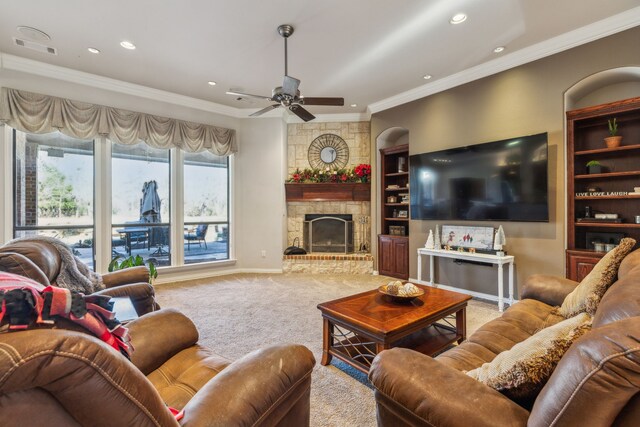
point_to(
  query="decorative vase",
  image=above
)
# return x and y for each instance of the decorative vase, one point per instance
(594, 169)
(613, 141)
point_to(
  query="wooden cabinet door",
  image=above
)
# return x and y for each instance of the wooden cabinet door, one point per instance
(578, 265)
(385, 255)
(401, 258)
(393, 256)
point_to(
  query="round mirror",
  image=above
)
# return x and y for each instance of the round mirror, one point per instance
(328, 155)
(328, 151)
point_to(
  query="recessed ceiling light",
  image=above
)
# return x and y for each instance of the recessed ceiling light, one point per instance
(458, 18)
(354, 105)
(498, 49)
(127, 45)
(211, 83)
(93, 50)
(426, 76)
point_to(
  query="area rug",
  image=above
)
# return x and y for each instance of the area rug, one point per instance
(237, 314)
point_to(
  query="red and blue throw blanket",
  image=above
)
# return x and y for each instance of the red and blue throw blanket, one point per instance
(27, 303)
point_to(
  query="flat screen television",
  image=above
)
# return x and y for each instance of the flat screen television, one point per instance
(495, 181)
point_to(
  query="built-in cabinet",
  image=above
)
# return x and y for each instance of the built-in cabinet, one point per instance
(605, 191)
(393, 243)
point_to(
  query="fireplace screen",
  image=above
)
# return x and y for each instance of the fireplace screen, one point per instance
(328, 233)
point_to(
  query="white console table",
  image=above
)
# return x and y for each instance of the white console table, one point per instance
(467, 256)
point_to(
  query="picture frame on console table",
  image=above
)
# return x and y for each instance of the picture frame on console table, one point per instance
(464, 236)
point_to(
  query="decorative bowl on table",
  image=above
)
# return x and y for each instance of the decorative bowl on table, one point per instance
(401, 292)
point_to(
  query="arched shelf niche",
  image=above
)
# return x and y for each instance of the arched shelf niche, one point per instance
(599, 88)
(390, 137)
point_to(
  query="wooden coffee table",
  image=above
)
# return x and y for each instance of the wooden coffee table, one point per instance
(358, 327)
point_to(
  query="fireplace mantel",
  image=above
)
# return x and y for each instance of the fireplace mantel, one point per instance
(327, 191)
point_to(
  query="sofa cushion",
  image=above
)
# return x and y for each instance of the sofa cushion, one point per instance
(622, 300)
(587, 295)
(602, 368)
(521, 372)
(517, 324)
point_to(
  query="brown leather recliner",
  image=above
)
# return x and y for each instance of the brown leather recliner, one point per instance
(596, 383)
(40, 261)
(60, 377)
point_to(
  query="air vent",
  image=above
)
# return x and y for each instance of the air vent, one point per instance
(35, 46)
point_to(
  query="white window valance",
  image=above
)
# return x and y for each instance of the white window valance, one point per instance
(36, 113)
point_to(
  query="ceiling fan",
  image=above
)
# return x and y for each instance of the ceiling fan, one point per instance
(288, 95)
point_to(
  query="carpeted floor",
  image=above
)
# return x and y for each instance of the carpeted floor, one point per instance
(239, 313)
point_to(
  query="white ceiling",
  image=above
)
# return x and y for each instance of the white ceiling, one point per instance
(371, 52)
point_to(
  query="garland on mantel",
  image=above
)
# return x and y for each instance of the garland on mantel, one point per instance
(360, 173)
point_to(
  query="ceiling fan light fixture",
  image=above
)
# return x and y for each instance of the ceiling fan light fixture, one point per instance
(288, 95)
(458, 18)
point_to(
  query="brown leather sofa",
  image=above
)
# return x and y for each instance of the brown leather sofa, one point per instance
(59, 377)
(40, 261)
(596, 383)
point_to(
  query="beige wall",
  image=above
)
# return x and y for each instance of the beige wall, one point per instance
(521, 101)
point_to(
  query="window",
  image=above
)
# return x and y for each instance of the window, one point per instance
(53, 190)
(206, 207)
(140, 201)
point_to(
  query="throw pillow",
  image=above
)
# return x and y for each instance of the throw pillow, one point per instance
(586, 296)
(521, 372)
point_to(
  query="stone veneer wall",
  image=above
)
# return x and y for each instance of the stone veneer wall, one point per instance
(357, 135)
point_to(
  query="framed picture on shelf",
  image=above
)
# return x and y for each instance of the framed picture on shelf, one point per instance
(397, 230)
(392, 199)
(404, 197)
(403, 214)
(463, 236)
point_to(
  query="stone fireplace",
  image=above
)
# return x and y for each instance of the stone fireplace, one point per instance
(341, 250)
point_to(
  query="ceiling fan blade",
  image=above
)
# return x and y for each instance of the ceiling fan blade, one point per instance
(301, 112)
(290, 85)
(322, 101)
(264, 110)
(230, 92)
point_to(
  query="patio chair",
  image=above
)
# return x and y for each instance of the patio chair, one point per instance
(198, 236)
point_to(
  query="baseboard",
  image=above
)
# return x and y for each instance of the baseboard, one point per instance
(185, 276)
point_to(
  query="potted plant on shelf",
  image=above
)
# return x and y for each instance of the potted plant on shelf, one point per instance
(594, 166)
(614, 140)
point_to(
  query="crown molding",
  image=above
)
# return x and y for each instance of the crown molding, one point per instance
(588, 33)
(29, 66)
(332, 118)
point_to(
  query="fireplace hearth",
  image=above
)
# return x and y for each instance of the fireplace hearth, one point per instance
(328, 233)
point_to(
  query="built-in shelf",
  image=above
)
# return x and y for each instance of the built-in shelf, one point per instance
(327, 192)
(397, 174)
(586, 129)
(397, 204)
(397, 189)
(607, 224)
(607, 150)
(608, 175)
(607, 197)
(396, 219)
